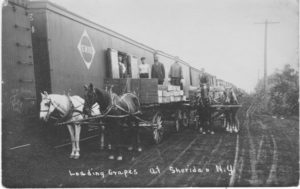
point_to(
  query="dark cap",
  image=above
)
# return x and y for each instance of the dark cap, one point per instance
(143, 58)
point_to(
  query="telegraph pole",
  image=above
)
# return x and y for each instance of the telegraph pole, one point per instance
(266, 23)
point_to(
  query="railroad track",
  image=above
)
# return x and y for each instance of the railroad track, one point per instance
(262, 161)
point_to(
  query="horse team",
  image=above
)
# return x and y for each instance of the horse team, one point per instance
(117, 111)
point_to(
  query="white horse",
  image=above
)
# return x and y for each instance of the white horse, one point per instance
(69, 108)
(231, 121)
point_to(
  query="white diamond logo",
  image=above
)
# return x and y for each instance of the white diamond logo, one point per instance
(86, 49)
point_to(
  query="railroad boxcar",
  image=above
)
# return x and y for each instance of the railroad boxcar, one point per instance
(48, 48)
(70, 51)
(18, 80)
(18, 83)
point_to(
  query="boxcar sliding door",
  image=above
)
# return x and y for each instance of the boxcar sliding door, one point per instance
(134, 67)
(113, 67)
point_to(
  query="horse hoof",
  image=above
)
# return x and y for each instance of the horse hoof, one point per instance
(204, 132)
(140, 149)
(76, 157)
(109, 146)
(111, 157)
(119, 158)
(71, 156)
(130, 148)
(212, 133)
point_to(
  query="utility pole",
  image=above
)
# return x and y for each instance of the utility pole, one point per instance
(266, 23)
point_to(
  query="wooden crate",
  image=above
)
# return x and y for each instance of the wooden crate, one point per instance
(162, 87)
(148, 91)
(145, 89)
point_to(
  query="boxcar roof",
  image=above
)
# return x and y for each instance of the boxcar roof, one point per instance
(171, 57)
(40, 4)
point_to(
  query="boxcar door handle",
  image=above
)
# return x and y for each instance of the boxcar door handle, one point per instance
(24, 63)
(19, 26)
(26, 80)
(22, 45)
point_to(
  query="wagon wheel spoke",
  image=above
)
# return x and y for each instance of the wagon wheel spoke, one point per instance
(185, 119)
(159, 130)
(178, 120)
(177, 125)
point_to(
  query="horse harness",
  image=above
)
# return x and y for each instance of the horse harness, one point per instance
(114, 106)
(68, 116)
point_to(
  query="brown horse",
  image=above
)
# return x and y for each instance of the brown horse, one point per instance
(117, 110)
(204, 110)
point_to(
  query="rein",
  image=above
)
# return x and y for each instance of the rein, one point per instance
(115, 107)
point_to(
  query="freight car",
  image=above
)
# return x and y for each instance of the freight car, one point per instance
(48, 48)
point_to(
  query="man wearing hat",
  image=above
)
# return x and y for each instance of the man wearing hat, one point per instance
(158, 71)
(144, 69)
(175, 74)
(203, 77)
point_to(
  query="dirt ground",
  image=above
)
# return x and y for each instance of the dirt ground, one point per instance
(264, 153)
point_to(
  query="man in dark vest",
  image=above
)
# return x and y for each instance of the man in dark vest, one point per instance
(158, 71)
(175, 74)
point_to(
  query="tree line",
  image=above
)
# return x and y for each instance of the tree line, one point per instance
(282, 94)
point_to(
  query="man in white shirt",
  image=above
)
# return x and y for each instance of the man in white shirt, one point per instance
(144, 69)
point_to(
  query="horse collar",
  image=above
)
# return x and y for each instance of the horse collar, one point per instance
(69, 113)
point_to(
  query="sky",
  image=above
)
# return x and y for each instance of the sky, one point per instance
(218, 35)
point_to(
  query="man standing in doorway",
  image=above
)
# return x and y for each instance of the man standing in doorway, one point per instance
(175, 74)
(158, 71)
(144, 69)
(122, 68)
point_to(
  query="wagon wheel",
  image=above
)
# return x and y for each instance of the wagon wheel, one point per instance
(177, 125)
(193, 118)
(159, 129)
(197, 124)
(178, 121)
(185, 119)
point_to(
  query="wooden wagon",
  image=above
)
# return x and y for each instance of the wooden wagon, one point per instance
(158, 105)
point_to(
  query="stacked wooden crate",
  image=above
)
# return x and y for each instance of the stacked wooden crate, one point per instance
(194, 93)
(170, 93)
(148, 91)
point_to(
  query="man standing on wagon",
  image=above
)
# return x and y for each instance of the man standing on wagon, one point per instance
(175, 74)
(144, 69)
(158, 71)
(204, 78)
